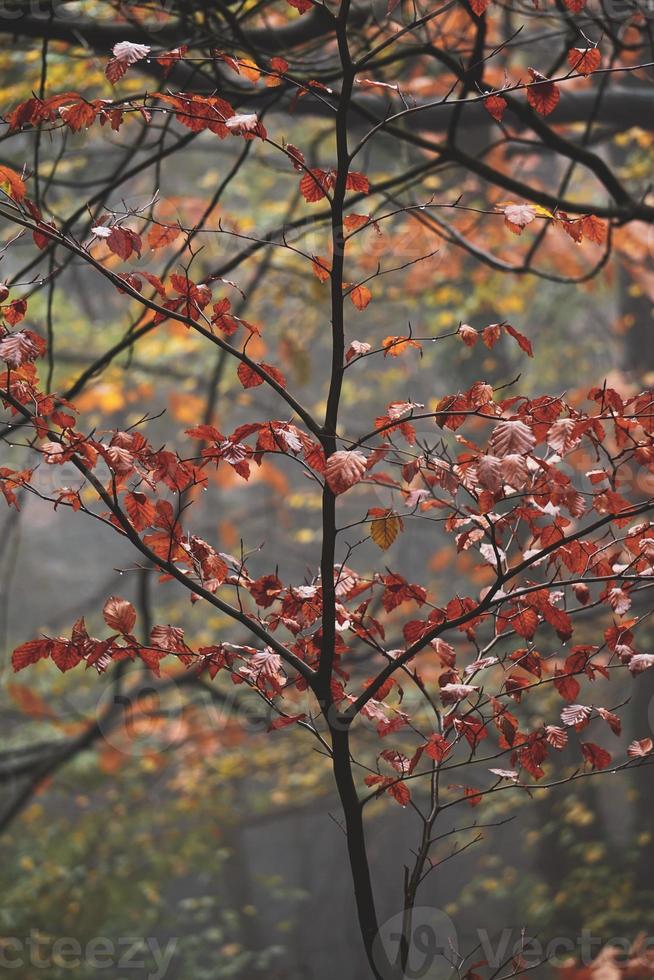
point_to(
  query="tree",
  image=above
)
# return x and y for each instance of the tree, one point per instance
(552, 494)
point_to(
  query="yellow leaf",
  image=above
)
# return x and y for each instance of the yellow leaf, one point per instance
(249, 69)
(384, 530)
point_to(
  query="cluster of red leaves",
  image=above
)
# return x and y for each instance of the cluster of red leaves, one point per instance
(194, 112)
(272, 437)
(316, 183)
(522, 467)
(587, 226)
(515, 467)
(543, 95)
(492, 333)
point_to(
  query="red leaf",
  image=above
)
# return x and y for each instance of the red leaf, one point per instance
(567, 687)
(611, 719)
(584, 60)
(140, 510)
(315, 184)
(357, 182)
(438, 748)
(29, 653)
(468, 334)
(532, 754)
(123, 241)
(490, 335)
(78, 116)
(597, 757)
(283, 722)
(400, 792)
(523, 343)
(512, 437)
(248, 377)
(65, 654)
(119, 614)
(525, 622)
(274, 373)
(473, 796)
(543, 97)
(496, 105)
(343, 469)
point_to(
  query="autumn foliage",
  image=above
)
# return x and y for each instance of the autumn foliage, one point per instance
(552, 494)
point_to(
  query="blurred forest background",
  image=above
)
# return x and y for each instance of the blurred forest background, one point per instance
(186, 818)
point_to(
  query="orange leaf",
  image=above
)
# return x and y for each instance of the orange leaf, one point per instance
(398, 345)
(161, 235)
(321, 267)
(353, 222)
(249, 69)
(360, 296)
(14, 182)
(594, 228)
(29, 701)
